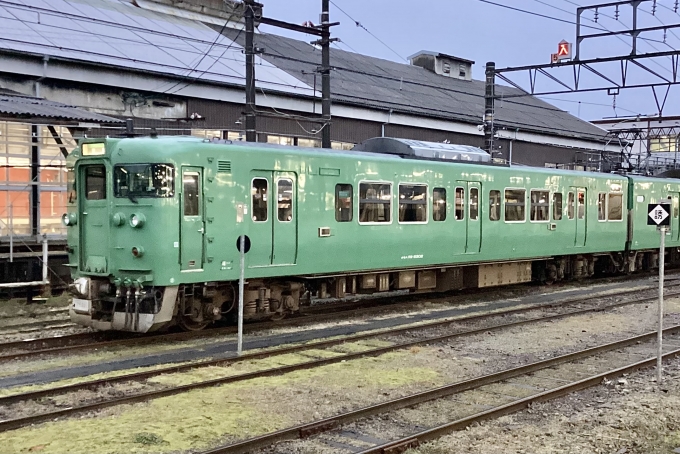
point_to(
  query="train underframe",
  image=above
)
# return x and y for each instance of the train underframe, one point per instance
(101, 305)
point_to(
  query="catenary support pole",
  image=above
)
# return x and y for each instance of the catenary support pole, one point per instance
(659, 352)
(242, 251)
(489, 96)
(11, 233)
(45, 269)
(325, 74)
(251, 126)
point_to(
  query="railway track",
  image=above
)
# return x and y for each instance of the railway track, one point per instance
(544, 380)
(418, 330)
(67, 344)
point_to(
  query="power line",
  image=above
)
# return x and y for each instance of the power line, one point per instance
(360, 25)
(537, 14)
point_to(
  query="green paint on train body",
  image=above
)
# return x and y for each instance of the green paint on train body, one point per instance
(284, 200)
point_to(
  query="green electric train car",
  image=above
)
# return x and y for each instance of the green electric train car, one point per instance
(153, 225)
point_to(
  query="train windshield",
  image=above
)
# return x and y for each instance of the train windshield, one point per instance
(144, 180)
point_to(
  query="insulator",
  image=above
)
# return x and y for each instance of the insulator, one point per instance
(675, 7)
(597, 14)
(654, 8)
(665, 34)
(616, 13)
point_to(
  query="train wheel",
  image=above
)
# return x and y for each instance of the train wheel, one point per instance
(187, 324)
(278, 316)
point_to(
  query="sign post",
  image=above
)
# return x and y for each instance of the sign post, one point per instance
(660, 215)
(243, 246)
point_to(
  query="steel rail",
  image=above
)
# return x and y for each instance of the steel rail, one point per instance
(35, 350)
(141, 397)
(47, 324)
(137, 376)
(415, 440)
(307, 429)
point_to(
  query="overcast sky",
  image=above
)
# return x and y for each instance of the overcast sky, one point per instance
(483, 32)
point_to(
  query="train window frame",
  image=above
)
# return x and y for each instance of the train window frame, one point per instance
(524, 205)
(351, 202)
(442, 204)
(544, 205)
(252, 202)
(102, 190)
(455, 204)
(497, 208)
(278, 200)
(389, 210)
(424, 203)
(602, 207)
(555, 211)
(185, 200)
(571, 205)
(581, 214)
(475, 204)
(609, 195)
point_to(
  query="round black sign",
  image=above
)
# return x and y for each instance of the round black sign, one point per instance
(246, 243)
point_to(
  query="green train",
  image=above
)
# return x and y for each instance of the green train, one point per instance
(154, 225)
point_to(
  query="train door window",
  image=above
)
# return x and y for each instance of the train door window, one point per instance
(460, 204)
(190, 190)
(474, 204)
(284, 189)
(412, 203)
(540, 206)
(375, 203)
(439, 204)
(259, 190)
(570, 206)
(343, 202)
(95, 182)
(557, 206)
(602, 206)
(581, 205)
(615, 207)
(494, 205)
(515, 204)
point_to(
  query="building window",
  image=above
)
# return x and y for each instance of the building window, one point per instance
(602, 206)
(570, 206)
(474, 204)
(343, 202)
(375, 202)
(540, 206)
(280, 140)
(412, 203)
(460, 204)
(207, 133)
(663, 144)
(615, 207)
(494, 205)
(557, 206)
(284, 188)
(259, 191)
(446, 68)
(462, 71)
(439, 204)
(341, 145)
(515, 204)
(309, 143)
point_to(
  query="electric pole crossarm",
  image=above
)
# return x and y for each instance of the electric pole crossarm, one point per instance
(293, 27)
(628, 32)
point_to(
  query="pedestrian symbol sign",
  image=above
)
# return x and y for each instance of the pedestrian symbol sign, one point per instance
(658, 214)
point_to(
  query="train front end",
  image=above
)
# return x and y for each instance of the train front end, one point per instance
(121, 212)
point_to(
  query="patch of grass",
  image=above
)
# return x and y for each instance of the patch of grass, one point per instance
(145, 438)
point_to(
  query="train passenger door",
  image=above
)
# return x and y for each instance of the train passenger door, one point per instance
(260, 230)
(467, 216)
(285, 222)
(94, 219)
(581, 197)
(192, 222)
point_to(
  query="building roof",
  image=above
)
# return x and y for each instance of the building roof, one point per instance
(29, 107)
(382, 84)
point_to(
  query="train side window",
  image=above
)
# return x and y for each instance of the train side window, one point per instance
(570, 206)
(581, 205)
(601, 206)
(474, 204)
(95, 182)
(439, 204)
(540, 206)
(557, 206)
(494, 205)
(412, 203)
(615, 207)
(191, 193)
(460, 204)
(260, 190)
(343, 202)
(515, 204)
(284, 188)
(375, 202)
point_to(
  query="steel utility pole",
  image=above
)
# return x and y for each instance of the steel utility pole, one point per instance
(489, 106)
(325, 74)
(251, 119)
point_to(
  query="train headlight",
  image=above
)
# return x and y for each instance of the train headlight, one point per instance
(82, 286)
(137, 251)
(137, 220)
(118, 219)
(69, 219)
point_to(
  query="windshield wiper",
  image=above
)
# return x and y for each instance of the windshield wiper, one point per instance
(132, 198)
